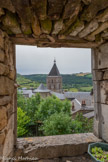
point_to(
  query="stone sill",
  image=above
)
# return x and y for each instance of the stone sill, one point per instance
(55, 146)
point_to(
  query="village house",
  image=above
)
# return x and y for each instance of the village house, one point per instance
(54, 87)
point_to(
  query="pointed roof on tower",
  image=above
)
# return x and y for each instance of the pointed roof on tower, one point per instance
(54, 71)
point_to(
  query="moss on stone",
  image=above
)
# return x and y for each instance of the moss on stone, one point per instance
(10, 21)
(46, 26)
(102, 17)
(67, 25)
(40, 8)
(78, 23)
(36, 26)
(26, 29)
(98, 38)
(27, 32)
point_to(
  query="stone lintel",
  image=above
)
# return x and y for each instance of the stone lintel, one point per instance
(46, 43)
(55, 146)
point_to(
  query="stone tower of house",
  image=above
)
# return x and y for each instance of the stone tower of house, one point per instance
(54, 79)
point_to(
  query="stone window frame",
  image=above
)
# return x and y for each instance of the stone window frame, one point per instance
(15, 98)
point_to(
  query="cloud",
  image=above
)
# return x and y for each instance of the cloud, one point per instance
(33, 60)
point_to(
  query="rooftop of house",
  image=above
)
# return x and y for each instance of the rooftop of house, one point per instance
(61, 96)
(26, 92)
(41, 89)
(89, 115)
(77, 105)
(77, 94)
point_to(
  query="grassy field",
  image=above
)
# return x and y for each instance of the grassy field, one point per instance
(71, 82)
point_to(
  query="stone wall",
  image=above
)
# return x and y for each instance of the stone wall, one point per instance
(7, 94)
(53, 23)
(100, 82)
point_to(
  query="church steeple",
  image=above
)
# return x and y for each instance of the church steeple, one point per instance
(54, 71)
(54, 61)
(54, 79)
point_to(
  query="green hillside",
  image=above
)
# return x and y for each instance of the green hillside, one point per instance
(24, 82)
(71, 82)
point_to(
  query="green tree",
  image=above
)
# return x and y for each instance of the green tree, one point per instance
(21, 101)
(62, 123)
(52, 105)
(86, 124)
(57, 124)
(22, 122)
(32, 106)
(29, 105)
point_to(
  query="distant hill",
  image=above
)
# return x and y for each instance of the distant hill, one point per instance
(24, 82)
(71, 82)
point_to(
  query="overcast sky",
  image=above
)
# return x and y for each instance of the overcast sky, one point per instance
(33, 60)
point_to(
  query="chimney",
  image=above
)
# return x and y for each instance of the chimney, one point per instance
(83, 103)
(73, 106)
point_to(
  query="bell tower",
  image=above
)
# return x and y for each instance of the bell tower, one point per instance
(54, 79)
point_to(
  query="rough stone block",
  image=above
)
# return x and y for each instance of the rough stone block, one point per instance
(7, 4)
(12, 74)
(1, 150)
(90, 11)
(1, 12)
(94, 58)
(36, 27)
(5, 100)
(8, 144)
(100, 29)
(102, 17)
(3, 117)
(102, 60)
(40, 7)
(96, 127)
(93, 25)
(58, 27)
(10, 124)
(104, 92)
(4, 69)
(105, 76)
(11, 23)
(9, 108)
(96, 91)
(97, 75)
(7, 86)
(23, 10)
(2, 55)
(76, 28)
(72, 8)
(2, 137)
(1, 40)
(100, 57)
(46, 26)
(86, 2)
(55, 8)
(104, 48)
(105, 122)
(55, 146)
(96, 110)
